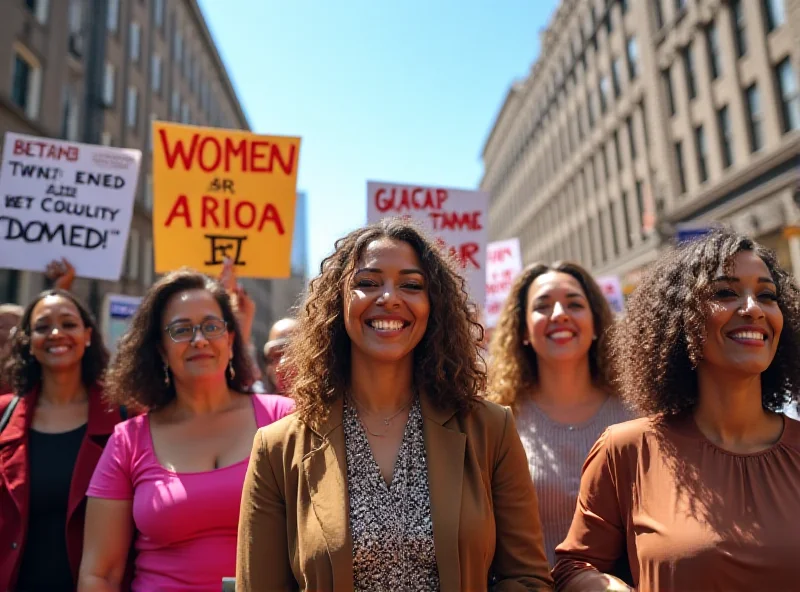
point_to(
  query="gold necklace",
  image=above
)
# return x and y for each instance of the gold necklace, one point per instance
(387, 421)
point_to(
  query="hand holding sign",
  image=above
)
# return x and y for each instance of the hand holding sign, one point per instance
(61, 273)
(244, 307)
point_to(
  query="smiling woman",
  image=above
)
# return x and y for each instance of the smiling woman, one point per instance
(184, 360)
(394, 474)
(702, 495)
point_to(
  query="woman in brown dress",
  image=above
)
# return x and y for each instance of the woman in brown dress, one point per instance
(704, 493)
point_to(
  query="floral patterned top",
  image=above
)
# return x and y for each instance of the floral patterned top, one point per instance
(391, 526)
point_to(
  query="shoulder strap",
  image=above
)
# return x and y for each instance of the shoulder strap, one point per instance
(7, 413)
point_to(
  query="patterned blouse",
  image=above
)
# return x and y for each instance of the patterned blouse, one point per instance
(391, 526)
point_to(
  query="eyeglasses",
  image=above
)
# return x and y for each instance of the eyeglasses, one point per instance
(211, 329)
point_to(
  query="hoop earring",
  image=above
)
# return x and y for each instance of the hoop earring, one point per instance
(166, 374)
(230, 368)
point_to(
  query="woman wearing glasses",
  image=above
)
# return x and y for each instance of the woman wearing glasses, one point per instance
(170, 481)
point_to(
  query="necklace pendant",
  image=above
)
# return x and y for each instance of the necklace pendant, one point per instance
(386, 422)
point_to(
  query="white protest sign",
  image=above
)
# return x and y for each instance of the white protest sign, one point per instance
(64, 199)
(503, 264)
(612, 290)
(456, 218)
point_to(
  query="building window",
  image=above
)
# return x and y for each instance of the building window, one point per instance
(135, 42)
(155, 73)
(623, 5)
(658, 15)
(590, 109)
(640, 206)
(680, 6)
(774, 14)
(105, 139)
(109, 83)
(633, 58)
(158, 13)
(753, 99)
(185, 115)
(725, 136)
(605, 154)
(667, 80)
(603, 94)
(112, 22)
(175, 106)
(131, 117)
(714, 57)
(40, 9)
(616, 69)
(617, 151)
(645, 124)
(26, 85)
(680, 164)
(631, 137)
(177, 48)
(612, 214)
(601, 229)
(739, 27)
(702, 152)
(75, 28)
(790, 95)
(626, 220)
(70, 114)
(688, 65)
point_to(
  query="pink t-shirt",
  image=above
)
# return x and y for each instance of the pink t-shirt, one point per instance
(186, 523)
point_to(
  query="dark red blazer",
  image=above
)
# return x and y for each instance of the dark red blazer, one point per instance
(14, 480)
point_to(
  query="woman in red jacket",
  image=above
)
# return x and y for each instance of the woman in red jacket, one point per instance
(56, 425)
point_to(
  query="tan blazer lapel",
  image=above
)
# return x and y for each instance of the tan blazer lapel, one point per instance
(445, 449)
(326, 474)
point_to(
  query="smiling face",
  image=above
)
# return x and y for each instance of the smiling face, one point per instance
(559, 321)
(202, 357)
(744, 321)
(386, 304)
(59, 336)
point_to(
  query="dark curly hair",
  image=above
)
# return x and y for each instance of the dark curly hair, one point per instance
(514, 369)
(660, 341)
(447, 363)
(136, 374)
(22, 370)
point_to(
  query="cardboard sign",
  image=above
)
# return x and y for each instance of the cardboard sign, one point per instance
(612, 290)
(223, 193)
(503, 264)
(64, 199)
(456, 218)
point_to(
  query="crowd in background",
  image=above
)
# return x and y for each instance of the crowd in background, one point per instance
(383, 450)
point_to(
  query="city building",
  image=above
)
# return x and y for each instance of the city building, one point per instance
(644, 118)
(286, 293)
(99, 71)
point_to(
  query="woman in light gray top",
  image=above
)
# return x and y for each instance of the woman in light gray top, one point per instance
(549, 364)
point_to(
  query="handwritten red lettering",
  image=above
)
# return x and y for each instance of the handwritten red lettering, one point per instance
(180, 210)
(405, 199)
(45, 150)
(456, 220)
(215, 212)
(465, 255)
(499, 255)
(207, 153)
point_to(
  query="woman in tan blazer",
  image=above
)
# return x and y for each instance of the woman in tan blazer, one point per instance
(393, 474)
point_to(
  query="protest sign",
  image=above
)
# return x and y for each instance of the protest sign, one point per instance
(456, 218)
(503, 264)
(64, 199)
(612, 290)
(223, 193)
(117, 312)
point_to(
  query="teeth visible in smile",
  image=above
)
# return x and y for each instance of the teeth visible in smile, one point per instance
(58, 349)
(561, 335)
(386, 325)
(749, 335)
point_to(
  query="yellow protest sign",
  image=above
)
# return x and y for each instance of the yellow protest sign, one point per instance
(223, 193)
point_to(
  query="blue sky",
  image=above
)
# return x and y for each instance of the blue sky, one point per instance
(391, 91)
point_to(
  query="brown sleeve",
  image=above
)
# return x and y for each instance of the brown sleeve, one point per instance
(596, 539)
(519, 561)
(262, 554)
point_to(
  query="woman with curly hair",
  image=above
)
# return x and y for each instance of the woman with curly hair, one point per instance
(703, 493)
(170, 481)
(394, 474)
(53, 427)
(549, 363)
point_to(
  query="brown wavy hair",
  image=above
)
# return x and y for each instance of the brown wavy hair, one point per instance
(513, 368)
(136, 374)
(22, 370)
(660, 341)
(447, 364)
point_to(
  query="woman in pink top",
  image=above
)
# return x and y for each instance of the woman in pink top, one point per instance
(170, 482)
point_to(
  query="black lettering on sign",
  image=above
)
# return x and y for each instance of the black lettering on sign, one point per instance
(21, 202)
(223, 246)
(108, 180)
(33, 171)
(223, 185)
(67, 235)
(62, 191)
